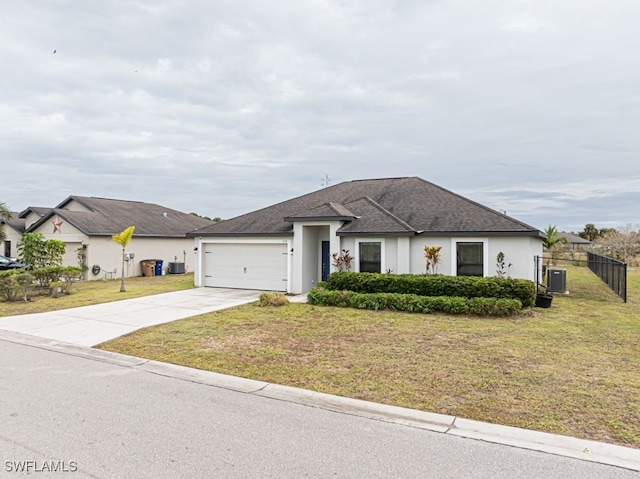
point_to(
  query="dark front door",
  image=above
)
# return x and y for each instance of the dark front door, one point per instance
(326, 264)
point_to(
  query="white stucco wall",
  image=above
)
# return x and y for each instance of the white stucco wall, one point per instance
(31, 218)
(14, 237)
(106, 253)
(417, 261)
(518, 250)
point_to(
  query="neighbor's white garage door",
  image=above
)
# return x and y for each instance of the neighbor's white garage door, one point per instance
(260, 266)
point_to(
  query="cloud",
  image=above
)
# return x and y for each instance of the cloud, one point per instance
(224, 107)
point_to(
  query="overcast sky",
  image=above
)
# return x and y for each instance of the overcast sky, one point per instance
(223, 107)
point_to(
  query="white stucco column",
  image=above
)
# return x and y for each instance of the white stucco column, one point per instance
(296, 260)
(335, 242)
(404, 255)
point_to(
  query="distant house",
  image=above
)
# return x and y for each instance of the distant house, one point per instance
(33, 214)
(13, 229)
(384, 224)
(576, 243)
(87, 224)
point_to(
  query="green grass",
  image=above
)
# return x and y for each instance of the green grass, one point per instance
(571, 369)
(85, 293)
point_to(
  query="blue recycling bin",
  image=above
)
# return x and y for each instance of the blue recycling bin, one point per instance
(158, 267)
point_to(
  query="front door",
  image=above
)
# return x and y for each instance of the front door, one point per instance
(326, 264)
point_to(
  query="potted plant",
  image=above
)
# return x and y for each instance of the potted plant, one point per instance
(543, 299)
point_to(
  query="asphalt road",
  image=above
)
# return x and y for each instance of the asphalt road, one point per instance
(103, 420)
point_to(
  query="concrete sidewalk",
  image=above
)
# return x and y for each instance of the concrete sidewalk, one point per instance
(91, 325)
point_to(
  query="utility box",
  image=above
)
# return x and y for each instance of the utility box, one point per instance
(557, 280)
(176, 268)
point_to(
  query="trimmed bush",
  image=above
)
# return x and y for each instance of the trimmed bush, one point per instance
(414, 303)
(435, 285)
(54, 274)
(272, 299)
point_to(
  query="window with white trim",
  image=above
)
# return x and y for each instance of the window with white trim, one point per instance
(470, 258)
(370, 256)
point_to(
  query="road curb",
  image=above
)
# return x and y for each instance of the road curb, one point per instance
(592, 451)
(583, 449)
(408, 417)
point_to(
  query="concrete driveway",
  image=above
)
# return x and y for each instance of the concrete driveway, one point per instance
(91, 325)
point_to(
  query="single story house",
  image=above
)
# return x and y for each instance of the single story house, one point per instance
(86, 225)
(385, 225)
(576, 243)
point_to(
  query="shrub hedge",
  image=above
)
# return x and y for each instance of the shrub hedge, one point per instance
(18, 283)
(435, 285)
(52, 274)
(414, 303)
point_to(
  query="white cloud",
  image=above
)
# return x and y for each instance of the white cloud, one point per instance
(229, 106)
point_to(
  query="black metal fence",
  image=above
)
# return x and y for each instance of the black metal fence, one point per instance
(611, 271)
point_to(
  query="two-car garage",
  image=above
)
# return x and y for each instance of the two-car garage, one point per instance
(261, 265)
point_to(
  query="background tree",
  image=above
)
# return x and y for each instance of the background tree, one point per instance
(123, 240)
(590, 232)
(6, 214)
(622, 244)
(217, 219)
(604, 231)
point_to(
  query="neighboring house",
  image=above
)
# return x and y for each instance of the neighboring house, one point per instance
(576, 243)
(33, 214)
(87, 224)
(13, 229)
(384, 224)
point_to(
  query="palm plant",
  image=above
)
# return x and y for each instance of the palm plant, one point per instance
(123, 240)
(552, 239)
(6, 214)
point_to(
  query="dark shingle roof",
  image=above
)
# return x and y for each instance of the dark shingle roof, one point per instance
(108, 216)
(39, 210)
(392, 206)
(15, 222)
(573, 239)
(326, 211)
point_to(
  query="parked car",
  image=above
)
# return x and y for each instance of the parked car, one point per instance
(8, 263)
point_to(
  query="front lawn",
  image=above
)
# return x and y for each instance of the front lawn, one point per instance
(85, 293)
(572, 369)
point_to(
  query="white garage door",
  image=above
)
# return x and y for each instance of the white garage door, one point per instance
(260, 266)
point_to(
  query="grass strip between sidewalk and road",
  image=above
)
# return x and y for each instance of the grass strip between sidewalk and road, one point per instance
(572, 369)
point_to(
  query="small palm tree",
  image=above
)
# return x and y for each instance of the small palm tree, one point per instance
(552, 239)
(123, 240)
(4, 214)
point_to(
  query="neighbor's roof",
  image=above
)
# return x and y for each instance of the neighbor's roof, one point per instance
(106, 217)
(388, 206)
(39, 210)
(15, 222)
(573, 239)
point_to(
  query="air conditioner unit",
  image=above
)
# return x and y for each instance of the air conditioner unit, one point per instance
(557, 280)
